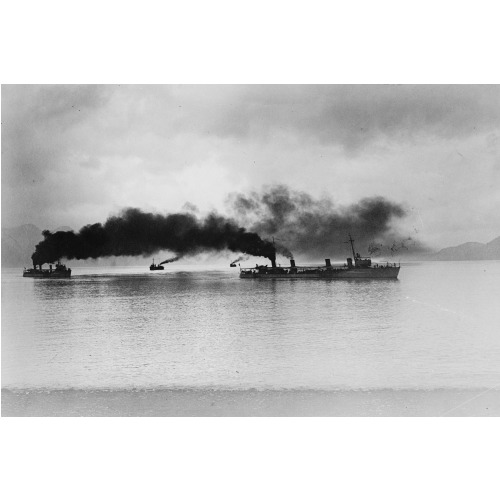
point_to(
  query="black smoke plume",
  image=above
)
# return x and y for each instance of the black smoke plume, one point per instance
(241, 258)
(172, 259)
(134, 232)
(319, 227)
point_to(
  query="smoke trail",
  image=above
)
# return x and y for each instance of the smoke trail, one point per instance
(283, 250)
(172, 259)
(318, 227)
(375, 249)
(241, 258)
(407, 245)
(134, 232)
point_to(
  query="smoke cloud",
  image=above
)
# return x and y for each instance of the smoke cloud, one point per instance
(241, 258)
(318, 227)
(278, 219)
(172, 259)
(134, 232)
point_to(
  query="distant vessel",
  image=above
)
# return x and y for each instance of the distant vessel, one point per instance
(356, 267)
(59, 271)
(155, 267)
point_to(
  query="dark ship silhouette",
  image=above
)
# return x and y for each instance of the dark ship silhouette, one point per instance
(59, 271)
(356, 267)
(156, 267)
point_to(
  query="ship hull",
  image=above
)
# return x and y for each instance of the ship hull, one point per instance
(46, 274)
(335, 274)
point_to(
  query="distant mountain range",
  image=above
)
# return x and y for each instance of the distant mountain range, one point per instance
(19, 243)
(470, 251)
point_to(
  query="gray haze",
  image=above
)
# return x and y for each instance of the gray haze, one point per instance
(73, 155)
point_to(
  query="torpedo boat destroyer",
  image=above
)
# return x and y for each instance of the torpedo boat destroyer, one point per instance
(356, 267)
(59, 271)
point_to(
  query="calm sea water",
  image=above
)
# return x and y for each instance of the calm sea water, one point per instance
(437, 326)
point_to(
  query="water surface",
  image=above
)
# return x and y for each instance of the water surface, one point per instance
(436, 327)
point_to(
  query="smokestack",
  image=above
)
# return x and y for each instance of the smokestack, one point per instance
(349, 262)
(292, 263)
(272, 258)
(328, 263)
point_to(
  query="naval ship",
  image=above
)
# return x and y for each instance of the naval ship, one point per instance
(356, 267)
(59, 271)
(156, 267)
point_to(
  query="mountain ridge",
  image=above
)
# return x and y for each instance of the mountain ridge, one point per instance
(471, 250)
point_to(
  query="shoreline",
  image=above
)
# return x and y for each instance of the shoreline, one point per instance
(251, 403)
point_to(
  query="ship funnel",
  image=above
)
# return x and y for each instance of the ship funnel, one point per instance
(292, 263)
(349, 262)
(328, 263)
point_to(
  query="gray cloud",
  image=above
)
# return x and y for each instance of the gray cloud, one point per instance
(354, 115)
(76, 153)
(37, 125)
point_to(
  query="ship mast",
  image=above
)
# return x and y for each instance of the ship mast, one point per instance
(351, 241)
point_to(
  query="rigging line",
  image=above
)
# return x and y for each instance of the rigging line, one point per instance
(469, 400)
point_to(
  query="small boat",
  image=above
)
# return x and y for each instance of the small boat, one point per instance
(232, 264)
(155, 267)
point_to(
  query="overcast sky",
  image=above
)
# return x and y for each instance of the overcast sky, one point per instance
(73, 155)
